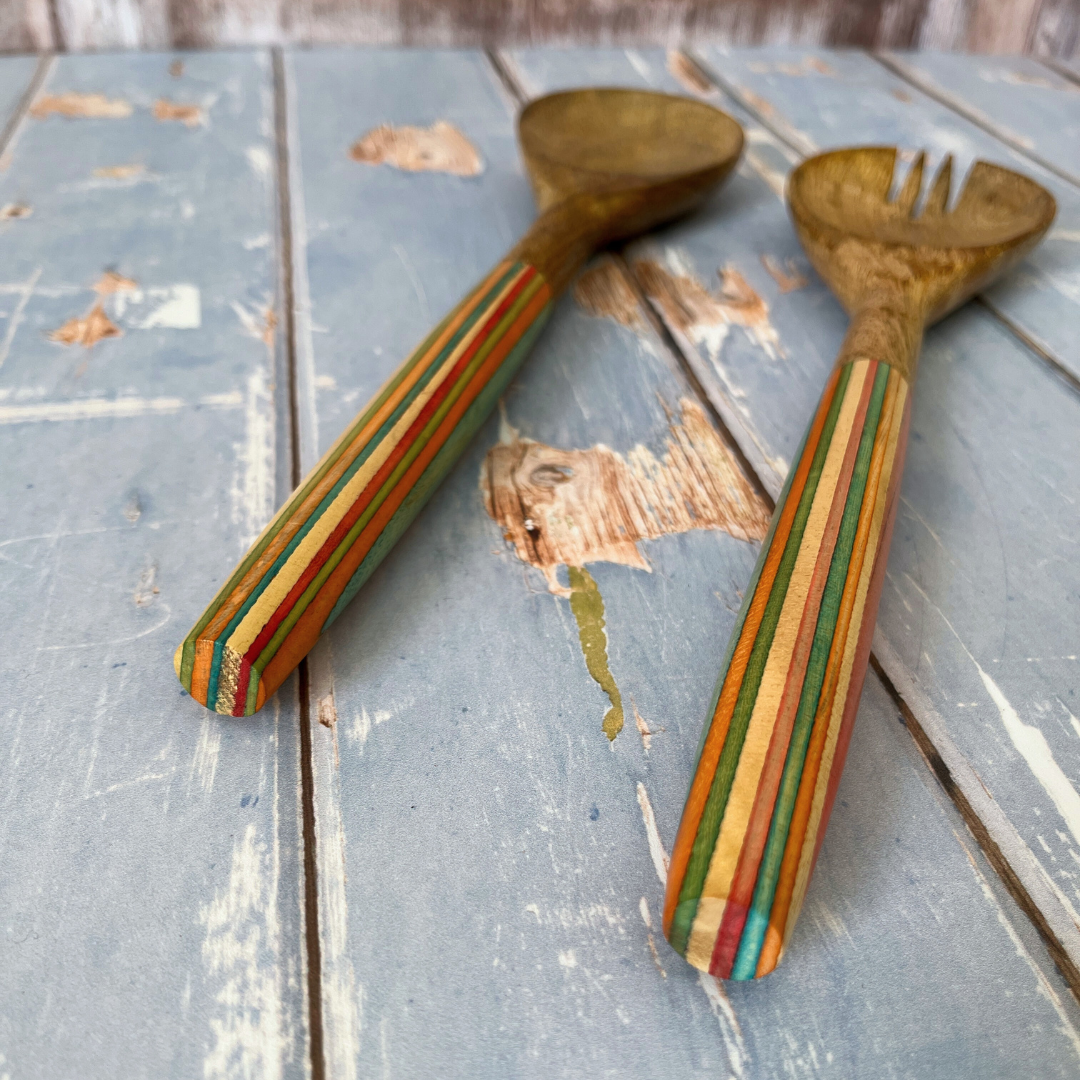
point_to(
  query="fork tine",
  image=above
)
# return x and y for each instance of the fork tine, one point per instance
(905, 201)
(938, 198)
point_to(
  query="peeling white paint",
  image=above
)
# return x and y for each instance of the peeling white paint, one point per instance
(241, 954)
(179, 308)
(730, 1031)
(107, 408)
(204, 762)
(262, 164)
(656, 846)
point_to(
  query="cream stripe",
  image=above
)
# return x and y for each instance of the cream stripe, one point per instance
(263, 609)
(755, 749)
(806, 859)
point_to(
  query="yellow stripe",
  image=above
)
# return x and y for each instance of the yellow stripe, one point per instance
(806, 859)
(755, 749)
(263, 609)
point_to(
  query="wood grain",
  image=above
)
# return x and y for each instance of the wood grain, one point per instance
(1046, 26)
(151, 885)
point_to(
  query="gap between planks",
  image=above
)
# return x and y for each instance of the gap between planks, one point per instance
(312, 941)
(1002, 844)
(951, 101)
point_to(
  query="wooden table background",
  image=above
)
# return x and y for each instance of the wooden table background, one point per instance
(423, 857)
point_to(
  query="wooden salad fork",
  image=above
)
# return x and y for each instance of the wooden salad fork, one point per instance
(773, 749)
(604, 165)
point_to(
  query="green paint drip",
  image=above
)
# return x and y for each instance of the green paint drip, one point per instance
(588, 607)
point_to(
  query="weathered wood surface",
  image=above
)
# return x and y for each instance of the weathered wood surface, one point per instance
(150, 881)
(1023, 102)
(489, 874)
(15, 75)
(852, 98)
(488, 864)
(971, 366)
(980, 604)
(1048, 27)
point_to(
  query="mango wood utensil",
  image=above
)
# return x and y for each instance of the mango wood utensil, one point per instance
(604, 165)
(772, 753)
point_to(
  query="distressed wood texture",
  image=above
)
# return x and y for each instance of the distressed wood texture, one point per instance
(1049, 27)
(150, 884)
(491, 861)
(969, 517)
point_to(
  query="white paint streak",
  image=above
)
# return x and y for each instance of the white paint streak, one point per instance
(253, 488)
(656, 846)
(26, 290)
(261, 163)
(1042, 984)
(204, 762)
(241, 954)
(109, 408)
(1028, 740)
(730, 1031)
(179, 308)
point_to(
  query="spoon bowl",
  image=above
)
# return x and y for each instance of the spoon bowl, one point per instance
(864, 244)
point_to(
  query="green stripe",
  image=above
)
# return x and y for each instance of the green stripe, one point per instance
(478, 314)
(443, 461)
(709, 828)
(758, 920)
(328, 567)
(283, 515)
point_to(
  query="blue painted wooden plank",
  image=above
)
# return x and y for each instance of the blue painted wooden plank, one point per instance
(150, 888)
(828, 99)
(1025, 102)
(993, 435)
(488, 860)
(15, 75)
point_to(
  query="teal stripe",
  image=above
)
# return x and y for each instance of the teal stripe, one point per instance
(757, 922)
(440, 465)
(480, 312)
(709, 828)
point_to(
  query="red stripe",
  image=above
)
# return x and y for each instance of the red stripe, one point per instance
(400, 450)
(746, 871)
(866, 634)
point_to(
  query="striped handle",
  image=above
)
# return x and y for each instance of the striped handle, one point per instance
(771, 757)
(340, 523)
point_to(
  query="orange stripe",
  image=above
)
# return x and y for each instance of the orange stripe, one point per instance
(295, 522)
(306, 632)
(725, 706)
(746, 870)
(785, 885)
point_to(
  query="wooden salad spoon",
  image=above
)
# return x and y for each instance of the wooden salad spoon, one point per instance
(771, 757)
(604, 165)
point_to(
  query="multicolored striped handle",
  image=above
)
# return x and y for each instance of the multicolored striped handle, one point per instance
(343, 519)
(771, 757)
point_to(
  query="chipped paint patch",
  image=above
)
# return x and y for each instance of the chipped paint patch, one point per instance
(642, 727)
(439, 148)
(111, 283)
(241, 955)
(119, 172)
(188, 115)
(687, 74)
(809, 65)
(79, 106)
(706, 317)
(259, 325)
(588, 607)
(788, 276)
(573, 507)
(327, 710)
(603, 292)
(86, 330)
(15, 211)
(146, 589)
